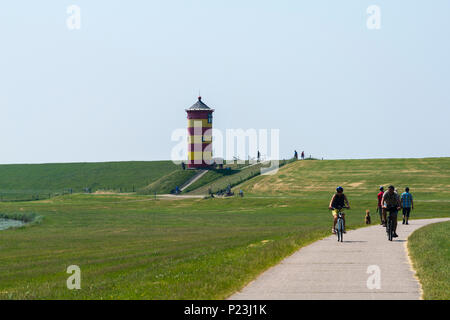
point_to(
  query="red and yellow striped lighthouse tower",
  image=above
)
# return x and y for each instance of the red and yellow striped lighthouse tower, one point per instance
(199, 135)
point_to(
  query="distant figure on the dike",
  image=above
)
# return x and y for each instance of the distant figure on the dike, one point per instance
(303, 155)
(258, 156)
(183, 165)
(295, 155)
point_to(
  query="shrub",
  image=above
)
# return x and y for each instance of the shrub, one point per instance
(25, 217)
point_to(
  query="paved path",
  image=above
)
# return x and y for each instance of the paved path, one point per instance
(327, 269)
(195, 178)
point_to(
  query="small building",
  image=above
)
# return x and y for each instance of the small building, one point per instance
(199, 135)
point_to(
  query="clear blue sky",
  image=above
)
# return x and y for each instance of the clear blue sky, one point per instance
(116, 89)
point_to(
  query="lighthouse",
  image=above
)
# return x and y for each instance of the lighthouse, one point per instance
(199, 135)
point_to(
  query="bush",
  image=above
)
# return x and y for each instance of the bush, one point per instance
(25, 217)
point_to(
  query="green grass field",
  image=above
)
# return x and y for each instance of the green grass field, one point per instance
(24, 181)
(430, 252)
(135, 247)
(429, 178)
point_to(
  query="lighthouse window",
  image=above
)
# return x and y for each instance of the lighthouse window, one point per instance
(209, 118)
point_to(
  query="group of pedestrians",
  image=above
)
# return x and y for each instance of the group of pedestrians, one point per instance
(390, 201)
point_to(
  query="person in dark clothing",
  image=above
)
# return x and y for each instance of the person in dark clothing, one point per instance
(391, 203)
(303, 155)
(380, 210)
(295, 155)
(338, 201)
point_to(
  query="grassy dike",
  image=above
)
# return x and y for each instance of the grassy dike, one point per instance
(21, 181)
(430, 252)
(428, 178)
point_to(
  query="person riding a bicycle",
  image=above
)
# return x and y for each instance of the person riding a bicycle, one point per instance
(337, 203)
(391, 203)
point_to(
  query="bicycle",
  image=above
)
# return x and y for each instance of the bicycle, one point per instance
(390, 223)
(340, 224)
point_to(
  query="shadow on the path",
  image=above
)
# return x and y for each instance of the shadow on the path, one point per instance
(354, 241)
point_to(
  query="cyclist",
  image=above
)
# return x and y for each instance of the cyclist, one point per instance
(338, 201)
(391, 203)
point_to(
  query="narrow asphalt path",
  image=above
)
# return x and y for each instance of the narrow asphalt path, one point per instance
(328, 269)
(195, 178)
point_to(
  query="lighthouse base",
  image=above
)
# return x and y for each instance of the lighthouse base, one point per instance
(199, 166)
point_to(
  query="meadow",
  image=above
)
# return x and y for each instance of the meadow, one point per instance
(137, 247)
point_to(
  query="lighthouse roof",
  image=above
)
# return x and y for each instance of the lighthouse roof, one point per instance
(199, 106)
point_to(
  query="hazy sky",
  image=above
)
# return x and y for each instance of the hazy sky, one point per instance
(118, 87)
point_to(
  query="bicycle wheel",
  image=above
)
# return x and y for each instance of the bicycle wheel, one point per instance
(389, 228)
(341, 231)
(337, 230)
(391, 234)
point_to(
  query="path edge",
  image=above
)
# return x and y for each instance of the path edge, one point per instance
(410, 261)
(411, 264)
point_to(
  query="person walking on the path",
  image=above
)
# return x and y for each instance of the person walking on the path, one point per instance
(391, 202)
(338, 201)
(303, 155)
(258, 156)
(295, 155)
(407, 204)
(380, 209)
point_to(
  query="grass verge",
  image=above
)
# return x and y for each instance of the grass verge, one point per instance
(430, 253)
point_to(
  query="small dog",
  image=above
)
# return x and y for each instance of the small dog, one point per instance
(367, 218)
